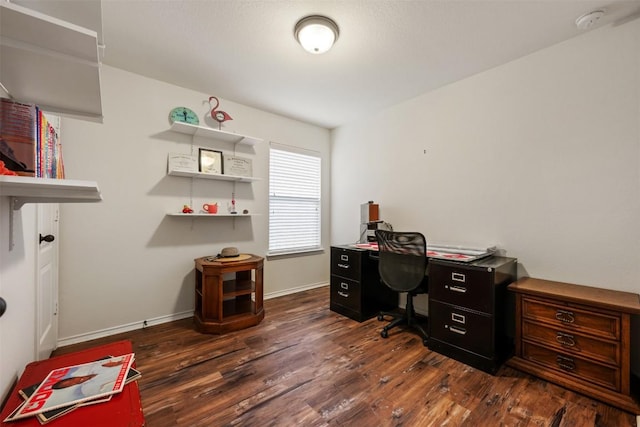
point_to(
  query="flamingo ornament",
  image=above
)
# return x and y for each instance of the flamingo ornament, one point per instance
(218, 115)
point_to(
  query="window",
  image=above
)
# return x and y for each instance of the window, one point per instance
(294, 200)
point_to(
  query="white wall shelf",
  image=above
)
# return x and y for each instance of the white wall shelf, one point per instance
(24, 189)
(211, 133)
(49, 62)
(220, 177)
(198, 215)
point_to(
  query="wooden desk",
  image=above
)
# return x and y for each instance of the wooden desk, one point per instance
(124, 409)
(223, 304)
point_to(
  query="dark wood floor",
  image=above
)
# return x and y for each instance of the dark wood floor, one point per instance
(305, 365)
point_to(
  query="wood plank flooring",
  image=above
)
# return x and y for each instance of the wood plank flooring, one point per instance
(305, 365)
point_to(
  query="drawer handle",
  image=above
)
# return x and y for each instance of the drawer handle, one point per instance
(565, 316)
(457, 330)
(458, 277)
(566, 363)
(344, 257)
(565, 339)
(343, 294)
(460, 289)
(344, 285)
(343, 265)
(458, 318)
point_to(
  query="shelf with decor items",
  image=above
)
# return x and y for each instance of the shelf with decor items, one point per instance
(211, 133)
(219, 177)
(207, 215)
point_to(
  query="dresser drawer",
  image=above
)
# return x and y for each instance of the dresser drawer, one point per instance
(571, 318)
(461, 328)
(563, 340)
(471, 288)
(346, 263)
(605, 376)
(346, 293)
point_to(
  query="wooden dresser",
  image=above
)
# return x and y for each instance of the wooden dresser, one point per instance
(578, 337)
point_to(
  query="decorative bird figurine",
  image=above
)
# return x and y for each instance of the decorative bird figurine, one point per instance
(218, 116)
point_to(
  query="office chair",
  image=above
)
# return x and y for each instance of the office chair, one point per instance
(402, 266)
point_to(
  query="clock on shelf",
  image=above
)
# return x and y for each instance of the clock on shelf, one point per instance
(184, 115)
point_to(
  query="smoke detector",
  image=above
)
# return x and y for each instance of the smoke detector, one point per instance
(590, 19)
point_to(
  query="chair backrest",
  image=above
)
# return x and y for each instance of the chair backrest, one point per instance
(403, 259)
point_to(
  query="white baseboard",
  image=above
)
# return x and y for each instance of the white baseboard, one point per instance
(294, 290)
(164, 319)
(123, 328)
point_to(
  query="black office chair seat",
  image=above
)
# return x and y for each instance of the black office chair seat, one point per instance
(402, 266)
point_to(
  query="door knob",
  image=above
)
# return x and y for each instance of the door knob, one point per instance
(48, 238)
(3, 306)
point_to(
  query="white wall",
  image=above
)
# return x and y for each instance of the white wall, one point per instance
(17, 287)
(123, 261)
(539, 156)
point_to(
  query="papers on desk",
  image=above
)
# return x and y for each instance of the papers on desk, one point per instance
(452, 253)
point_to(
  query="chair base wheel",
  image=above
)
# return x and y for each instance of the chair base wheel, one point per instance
(380, 317)
(384, 334)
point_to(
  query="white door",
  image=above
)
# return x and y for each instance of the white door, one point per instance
(47, 280)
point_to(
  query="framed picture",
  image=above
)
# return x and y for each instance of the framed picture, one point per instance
(238, 166)
(210, 161)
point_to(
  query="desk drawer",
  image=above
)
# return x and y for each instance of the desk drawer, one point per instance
(465, 329)
(346, 293)
(605, 376)
(571, 318)
(346, 263)
(568, 341)
(466, 287)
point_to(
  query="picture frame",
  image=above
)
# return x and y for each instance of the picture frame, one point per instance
(210, 161)
(237, 166)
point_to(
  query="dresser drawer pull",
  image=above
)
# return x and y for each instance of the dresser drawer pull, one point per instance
(458, 318)
(344, 285)
(458, 277)
(565, 339)
(343, 265)
(457, 330)
(566, 363)
(460, 289)
(343, 294)
(565, 316)
(344, 257)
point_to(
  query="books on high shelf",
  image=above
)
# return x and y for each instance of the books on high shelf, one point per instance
(67, 388)
(29, 140)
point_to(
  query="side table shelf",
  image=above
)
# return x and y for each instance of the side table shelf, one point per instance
(223, 304)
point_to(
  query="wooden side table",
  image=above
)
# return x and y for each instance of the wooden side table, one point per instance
(124, 408)
(229, 294)
(578, 337)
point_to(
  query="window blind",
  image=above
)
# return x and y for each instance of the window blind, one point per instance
(294, 200)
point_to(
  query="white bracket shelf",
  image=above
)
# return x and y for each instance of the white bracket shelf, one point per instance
(21, 190)
(220, 177)
(211, 133)
(204, 215)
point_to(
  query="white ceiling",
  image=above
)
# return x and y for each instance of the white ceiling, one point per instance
(388, 50)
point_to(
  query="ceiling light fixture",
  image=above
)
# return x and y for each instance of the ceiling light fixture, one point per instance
(590, 19)
(316, 34)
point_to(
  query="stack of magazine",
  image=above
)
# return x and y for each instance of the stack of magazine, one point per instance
(66, 389)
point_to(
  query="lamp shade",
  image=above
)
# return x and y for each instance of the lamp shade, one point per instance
(316, 34)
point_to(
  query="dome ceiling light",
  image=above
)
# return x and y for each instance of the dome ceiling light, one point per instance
(316, 34)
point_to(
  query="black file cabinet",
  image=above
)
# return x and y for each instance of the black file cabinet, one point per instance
(468, 310)
(356, 291)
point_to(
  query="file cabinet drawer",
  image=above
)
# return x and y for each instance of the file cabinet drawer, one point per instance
(573, 318)
(603, 350)
(461, 328)
(585, 369)
(461, 286)
(346, 293)
(346, 263)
